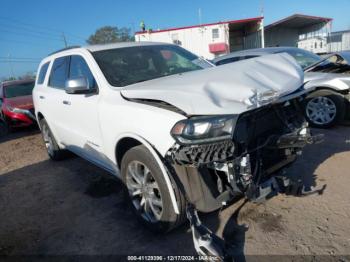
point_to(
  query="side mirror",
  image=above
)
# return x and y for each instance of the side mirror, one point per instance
(78, 85)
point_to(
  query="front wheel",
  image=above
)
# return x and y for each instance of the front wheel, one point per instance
(147, 191)
(324, 111)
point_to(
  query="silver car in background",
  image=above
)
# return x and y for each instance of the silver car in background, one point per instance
(329, 76)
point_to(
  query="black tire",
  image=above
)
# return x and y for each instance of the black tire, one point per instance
(52, 148)
(339, 104)
(4, 128)
(168, 219)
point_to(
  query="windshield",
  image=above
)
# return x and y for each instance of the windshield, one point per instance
(24, 89)
(129, 65)
(304, 58)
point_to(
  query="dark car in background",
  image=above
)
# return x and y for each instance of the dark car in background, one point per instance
(16, 104)
(328, 77)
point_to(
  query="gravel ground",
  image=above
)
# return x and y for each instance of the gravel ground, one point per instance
(67, 208)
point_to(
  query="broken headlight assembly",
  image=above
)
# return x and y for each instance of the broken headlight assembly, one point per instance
(199, 130)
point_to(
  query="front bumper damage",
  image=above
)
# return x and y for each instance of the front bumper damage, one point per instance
(250, 164)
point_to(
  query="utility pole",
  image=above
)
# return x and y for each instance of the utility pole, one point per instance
(200, 16)
(64, 39)
(11, 67)
(262, 26)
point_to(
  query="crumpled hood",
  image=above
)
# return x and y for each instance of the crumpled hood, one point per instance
(227, 89)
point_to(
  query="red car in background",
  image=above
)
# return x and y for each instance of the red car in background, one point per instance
(16, 103)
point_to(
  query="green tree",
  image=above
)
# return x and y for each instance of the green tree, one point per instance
(110, 34)
(26, 76)
(10, 78)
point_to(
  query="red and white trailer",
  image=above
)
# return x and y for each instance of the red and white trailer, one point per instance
(210, 40)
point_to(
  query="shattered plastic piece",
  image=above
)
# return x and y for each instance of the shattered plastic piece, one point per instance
(205, 242)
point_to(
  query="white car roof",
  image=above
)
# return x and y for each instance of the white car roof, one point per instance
(94, 48)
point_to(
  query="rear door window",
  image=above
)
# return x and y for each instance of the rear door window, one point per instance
(59, 72)
(42, 73)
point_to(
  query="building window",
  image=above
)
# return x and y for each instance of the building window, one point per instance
(215, 33)
(175, 39)
(321, 44)
(315, 45)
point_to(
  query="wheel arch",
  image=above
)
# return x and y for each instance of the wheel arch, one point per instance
(323, 91)
(39, 117)
(128, 141)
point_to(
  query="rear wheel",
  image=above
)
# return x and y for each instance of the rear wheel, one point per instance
(52, 148)
(325, 111)
(4, 128)
(147, 191)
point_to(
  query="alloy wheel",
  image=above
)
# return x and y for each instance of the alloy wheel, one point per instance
(321, 110)
(144, 191)
(48, 140)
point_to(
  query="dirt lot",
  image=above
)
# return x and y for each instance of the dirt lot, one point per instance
(55, 208)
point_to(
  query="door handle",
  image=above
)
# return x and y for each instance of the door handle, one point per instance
(66, 102)
(42, 97)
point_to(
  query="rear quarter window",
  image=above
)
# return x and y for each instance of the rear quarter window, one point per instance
(42, 73)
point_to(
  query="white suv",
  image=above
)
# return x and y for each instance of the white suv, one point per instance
(175, 129)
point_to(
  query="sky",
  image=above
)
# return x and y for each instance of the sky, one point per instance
(30, 30)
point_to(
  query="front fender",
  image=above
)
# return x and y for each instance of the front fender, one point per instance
(156, 156)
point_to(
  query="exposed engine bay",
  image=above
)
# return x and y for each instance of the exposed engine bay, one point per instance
(264, 141)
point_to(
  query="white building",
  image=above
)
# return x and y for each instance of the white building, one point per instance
(210, 40)
(339, 41)
(316, 44)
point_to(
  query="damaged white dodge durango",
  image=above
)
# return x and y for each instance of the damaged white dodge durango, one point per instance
(181, 134)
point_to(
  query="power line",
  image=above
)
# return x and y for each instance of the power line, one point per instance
(25, 28)
(15, 41)
(35, 33)
(30, 34)
(12, 61)
(7, 19)
(21, 58)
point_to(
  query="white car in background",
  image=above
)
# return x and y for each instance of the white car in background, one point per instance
(181, 134)
(329, 77)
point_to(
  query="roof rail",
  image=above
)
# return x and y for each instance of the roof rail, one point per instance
(64, 49)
